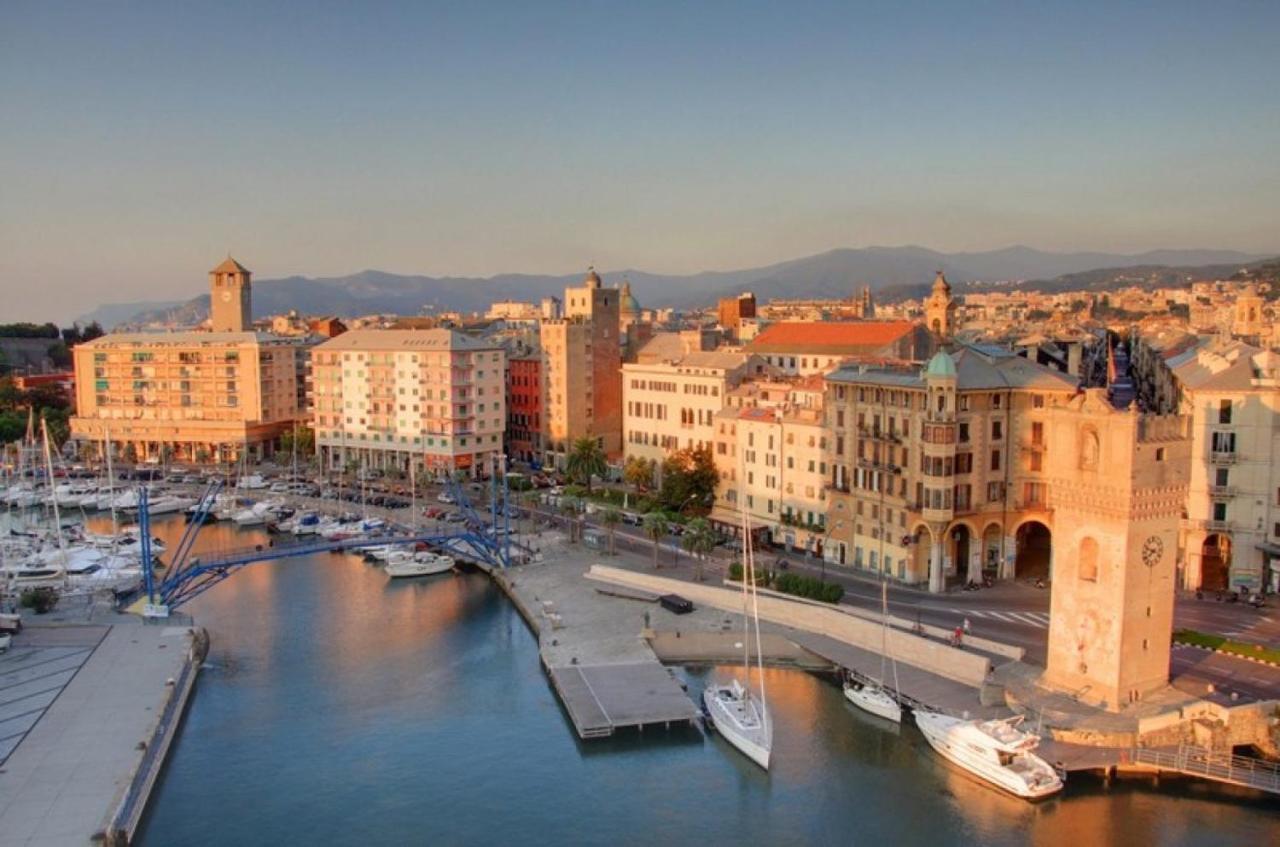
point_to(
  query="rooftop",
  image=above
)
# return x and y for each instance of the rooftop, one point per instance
(406, 339)
(833, 337)
(975, 369)
(186, 337)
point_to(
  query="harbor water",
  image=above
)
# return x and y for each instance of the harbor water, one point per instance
(337, 707)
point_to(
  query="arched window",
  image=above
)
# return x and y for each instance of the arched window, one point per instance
(1088, 568)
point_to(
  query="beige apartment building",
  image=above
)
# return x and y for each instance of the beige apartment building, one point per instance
(770, 450)
(671, 404)
(1231, 532)
(582, 373)
(433, 399)
(193, 396)
(942, 472)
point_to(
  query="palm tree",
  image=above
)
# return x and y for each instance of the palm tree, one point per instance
(656, 526)
(610, 518)
(638, 472)
(586, 460)
(699, 539)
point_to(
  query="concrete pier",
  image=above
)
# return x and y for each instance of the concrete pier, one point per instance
(86, 714)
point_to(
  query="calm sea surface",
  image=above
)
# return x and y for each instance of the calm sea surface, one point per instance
(339, 708)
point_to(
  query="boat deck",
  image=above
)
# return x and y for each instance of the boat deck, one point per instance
(601, 699)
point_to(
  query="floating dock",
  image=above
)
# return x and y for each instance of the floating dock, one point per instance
(601, 699)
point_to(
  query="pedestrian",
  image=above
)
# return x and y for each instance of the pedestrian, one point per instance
(966, 626)
(958, 637)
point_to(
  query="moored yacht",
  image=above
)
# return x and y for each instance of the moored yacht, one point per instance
(996, 751)
(423, 563)
(741, 719)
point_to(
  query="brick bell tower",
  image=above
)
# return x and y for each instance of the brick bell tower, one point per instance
(230, 297)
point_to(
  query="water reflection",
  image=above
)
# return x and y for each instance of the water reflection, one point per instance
(342, 707)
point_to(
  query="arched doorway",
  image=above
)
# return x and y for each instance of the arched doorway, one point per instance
(1215, 562)
(992, 538)
(961, 546)
(921, 545)
(1035, 548)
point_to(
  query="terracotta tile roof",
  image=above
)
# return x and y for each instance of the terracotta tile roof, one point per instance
(835, 337)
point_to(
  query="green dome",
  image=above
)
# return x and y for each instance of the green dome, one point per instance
(629, 304)
(941, 365)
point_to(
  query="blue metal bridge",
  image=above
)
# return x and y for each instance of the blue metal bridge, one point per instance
(484, 543)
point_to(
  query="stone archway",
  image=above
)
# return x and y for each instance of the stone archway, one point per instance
(961, 542)
(1034, 551)
(1215, 562)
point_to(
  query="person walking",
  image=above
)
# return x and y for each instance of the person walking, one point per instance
(965, 625)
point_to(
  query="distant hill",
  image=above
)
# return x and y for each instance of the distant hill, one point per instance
(890, 271)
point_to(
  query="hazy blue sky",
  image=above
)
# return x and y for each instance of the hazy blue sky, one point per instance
(141, 142)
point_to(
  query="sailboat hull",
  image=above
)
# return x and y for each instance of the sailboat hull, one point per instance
(733, 716)
(874, 700)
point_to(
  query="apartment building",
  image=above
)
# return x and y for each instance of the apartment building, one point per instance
(582, 372)
(1231, 532)
(193, 396)
(671, 404)
(524, 405)
(942, 473)
(770, 446)
(391, 398)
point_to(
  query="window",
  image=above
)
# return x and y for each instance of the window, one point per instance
(997, 431)
(995, 460)
(964, 433)
(1088, 561)
(1224, 411)
(1159, 454)
(1224, 442)
(1220, 477)
(1037, 433)
(1220, 511)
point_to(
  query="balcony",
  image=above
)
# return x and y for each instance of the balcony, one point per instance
(877, 434)
(1222, 457)
(1219, 526)
(1222, 491)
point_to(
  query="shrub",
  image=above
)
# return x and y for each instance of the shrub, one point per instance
(808, 587)
(40, 600)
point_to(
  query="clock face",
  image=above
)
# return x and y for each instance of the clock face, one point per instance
(1152, 551)
(226, 297)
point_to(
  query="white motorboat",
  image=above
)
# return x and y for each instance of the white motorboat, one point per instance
(307, 523)
(740, 716)
(417, 564)
(257, 514)
(168, 503)
(252, 482)
(873, 696)
(996, 751)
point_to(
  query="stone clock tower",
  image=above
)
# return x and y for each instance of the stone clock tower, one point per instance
(1118, 481)
(230, 297)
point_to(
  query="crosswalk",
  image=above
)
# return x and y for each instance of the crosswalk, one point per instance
(1040, 620)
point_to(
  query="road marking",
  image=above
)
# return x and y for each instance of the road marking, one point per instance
(1004, 616)
(1027, 618)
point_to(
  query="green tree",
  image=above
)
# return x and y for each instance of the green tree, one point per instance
(656, 526)
(699, 539)
(689, 478)
(638, 472)
(305, 438)
(586, 460)
(610, 519)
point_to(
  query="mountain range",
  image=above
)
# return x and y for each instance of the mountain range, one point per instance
(891, 272)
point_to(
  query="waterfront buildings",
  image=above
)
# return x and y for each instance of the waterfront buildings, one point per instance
(524, 405)
(431, 398)
(770, 451)
(671, 403)
(582, 371)
(941, 472)
(193, 396)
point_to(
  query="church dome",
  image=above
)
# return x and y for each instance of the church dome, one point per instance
(628, 304)
(593, 279)
(941, 366)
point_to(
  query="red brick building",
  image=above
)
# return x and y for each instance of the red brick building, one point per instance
(524, 406)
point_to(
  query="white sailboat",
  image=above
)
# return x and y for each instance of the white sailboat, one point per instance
(735, 711)
(996, 751)
(873, 697)
(423, 563)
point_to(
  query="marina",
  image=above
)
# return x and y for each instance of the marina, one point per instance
(603, 642)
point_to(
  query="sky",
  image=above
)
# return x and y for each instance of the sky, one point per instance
(140, 143)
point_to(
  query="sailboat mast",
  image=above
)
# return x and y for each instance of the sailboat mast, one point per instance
(53, 491)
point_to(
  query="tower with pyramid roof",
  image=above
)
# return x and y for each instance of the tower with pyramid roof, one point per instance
(230, 297)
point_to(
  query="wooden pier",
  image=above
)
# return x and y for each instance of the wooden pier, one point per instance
(601, 699)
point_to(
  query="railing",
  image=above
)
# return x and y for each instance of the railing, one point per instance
(1219, 526)
(1221, 767)
(1222, 491)
(1222, 457)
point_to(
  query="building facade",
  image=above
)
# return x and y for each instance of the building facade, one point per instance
(671, 404)
(432, 399)
(191, 396)
(524, 406)
(582, 372)
(941, 473)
